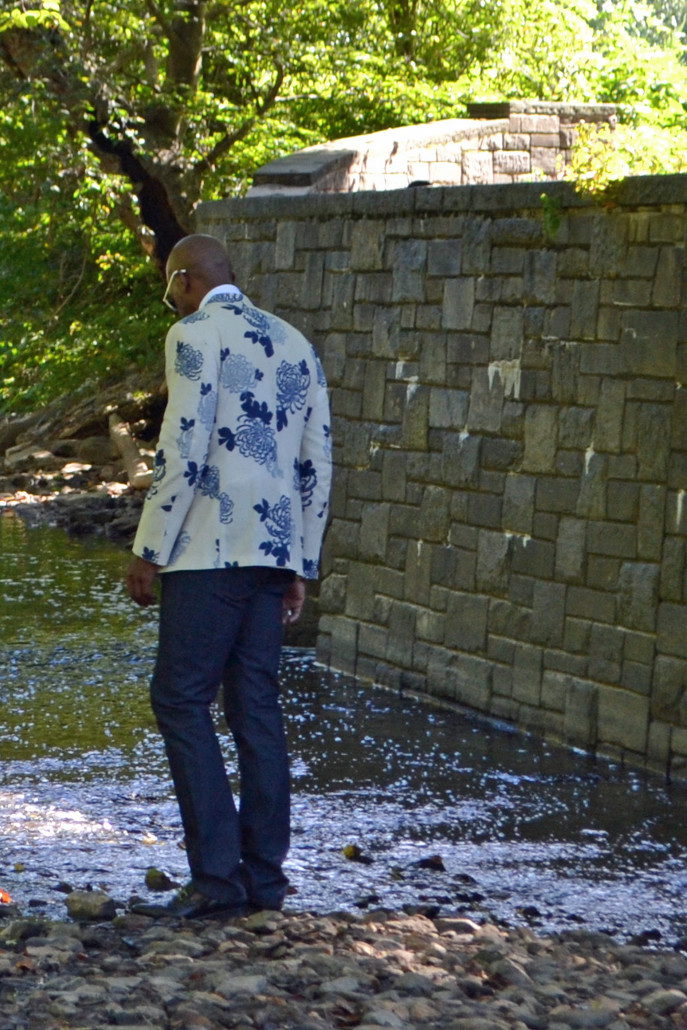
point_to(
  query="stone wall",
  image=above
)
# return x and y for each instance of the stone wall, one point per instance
(510, 424)
(497, 143)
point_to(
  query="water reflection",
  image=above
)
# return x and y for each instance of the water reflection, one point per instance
(525, 831)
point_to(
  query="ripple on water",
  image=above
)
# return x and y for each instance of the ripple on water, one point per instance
(526, 831)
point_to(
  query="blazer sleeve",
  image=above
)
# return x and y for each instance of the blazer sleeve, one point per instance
(316, 476)
(192, 372)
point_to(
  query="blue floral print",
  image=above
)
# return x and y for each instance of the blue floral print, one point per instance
(305, 480)
(207, 405)
(279, 524)
(293, 383)
(189, 361)
(209, 486)
(237, 374)
(185, 437)
(159, 472)
(254, 436)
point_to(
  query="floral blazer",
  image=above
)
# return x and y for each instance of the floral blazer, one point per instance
(243, 466)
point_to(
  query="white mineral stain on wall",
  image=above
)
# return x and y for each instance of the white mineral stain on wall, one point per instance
(509, 373)
(588, 455)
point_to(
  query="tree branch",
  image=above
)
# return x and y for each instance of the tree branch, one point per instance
(207, 163)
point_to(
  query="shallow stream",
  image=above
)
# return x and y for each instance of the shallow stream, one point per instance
(525, 832)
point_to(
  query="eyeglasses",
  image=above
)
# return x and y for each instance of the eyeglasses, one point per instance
(169, 301)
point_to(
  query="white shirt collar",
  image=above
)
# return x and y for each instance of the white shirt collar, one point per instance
(229, 288)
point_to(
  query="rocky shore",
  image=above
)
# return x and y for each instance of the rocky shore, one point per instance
(303, 971)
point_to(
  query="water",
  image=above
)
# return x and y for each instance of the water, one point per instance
(526, 832)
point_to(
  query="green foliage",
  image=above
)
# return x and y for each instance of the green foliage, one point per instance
(197, 95)
(602, 156)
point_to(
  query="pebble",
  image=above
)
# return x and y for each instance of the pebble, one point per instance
(305, 971)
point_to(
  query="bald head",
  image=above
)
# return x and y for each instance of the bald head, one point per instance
(195, 265)
(205, 257)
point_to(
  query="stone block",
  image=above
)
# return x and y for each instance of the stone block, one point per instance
(653, 441)
(332, 595)
(602, 573)
(548, 613)
(415, 417)
(469, 681)
(512, 162)
(500, 454)
(649, 343)
(459, 303)
(623, 719)
(372, 643)
(636, 677)
(343, 642)
(527, 674)
(448, 409)
(507, 334)
(545, 159)
(417, 573)
(672, 629)
(612, 538)
(374, 532)
(466, 622)
(541, 436)
(580, 723)
(576, 427)
(608, 428)
(486, 402)
(591, 501)
(285, 249)
(401, 636)
(651, 522)
(484, 510)
(622, 501)
(571, 550)
(584, 309)
(374, 386)
(461, 460)
(433, 523)
(444, 258)
(565, 372)
(478, 167)
(409, 271)
(518, 503)
(669, 690)
(429, 626)
(658, 747)
(507, 261)
(672, 569)
(585, 603)
(554, 690)
(554, 494)
(493, 562)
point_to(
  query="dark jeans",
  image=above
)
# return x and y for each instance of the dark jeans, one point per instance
(224, 626)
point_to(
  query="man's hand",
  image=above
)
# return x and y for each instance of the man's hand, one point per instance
(140, 577)
(294, 598)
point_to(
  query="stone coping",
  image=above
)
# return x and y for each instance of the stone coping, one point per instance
(567, 112)
(633, 191)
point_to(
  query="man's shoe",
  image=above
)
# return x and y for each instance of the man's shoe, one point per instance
(192, 906)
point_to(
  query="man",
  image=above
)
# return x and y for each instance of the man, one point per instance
(233, 525)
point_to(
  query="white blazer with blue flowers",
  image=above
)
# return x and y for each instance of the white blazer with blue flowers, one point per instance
(243, 467)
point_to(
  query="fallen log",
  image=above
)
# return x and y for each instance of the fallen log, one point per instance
(140, 475)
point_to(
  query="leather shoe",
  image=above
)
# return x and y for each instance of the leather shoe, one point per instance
(192, 906)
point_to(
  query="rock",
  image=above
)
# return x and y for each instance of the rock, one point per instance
(90, 905)
(664, 1001)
